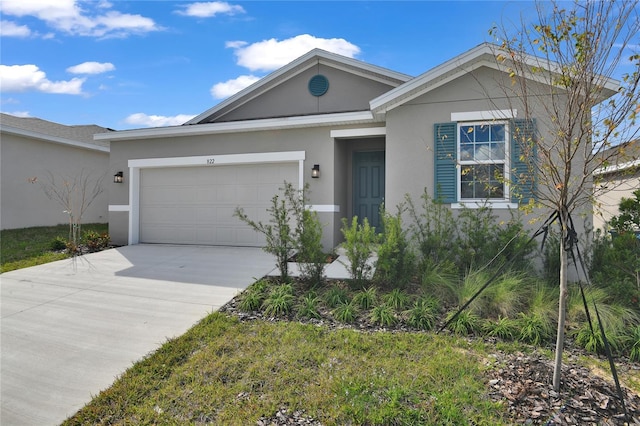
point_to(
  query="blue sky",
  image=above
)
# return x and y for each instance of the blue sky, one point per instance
(136, 64)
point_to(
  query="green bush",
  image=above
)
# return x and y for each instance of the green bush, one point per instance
(280, 301)
(310, 256)
(383, 315)
(96, 241)
(424, 314)
(534, 328)
(366, 298)
(503, 327)
(466, 323)
(360, 239)
(58, 243)
(335, 296)
(308, 306)
(346, 312)
(396, 261)
(397, 299)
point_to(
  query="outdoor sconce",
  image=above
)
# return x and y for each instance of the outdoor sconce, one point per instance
(315, 171)
(118, 178)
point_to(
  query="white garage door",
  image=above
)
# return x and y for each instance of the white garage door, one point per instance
(195, 205)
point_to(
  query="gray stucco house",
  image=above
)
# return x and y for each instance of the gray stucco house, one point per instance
(373, 135)
(32, 149)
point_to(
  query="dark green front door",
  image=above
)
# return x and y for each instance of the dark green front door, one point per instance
(368, 185)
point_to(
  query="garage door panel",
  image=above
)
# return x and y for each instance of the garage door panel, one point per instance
(196, 205)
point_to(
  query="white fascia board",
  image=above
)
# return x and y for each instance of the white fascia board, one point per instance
(241, 126)
(53, 139)
(617, 167)
(359, 133)
(219, 160)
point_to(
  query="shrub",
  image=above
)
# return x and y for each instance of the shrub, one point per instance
(96, 241)
(58, 243)
(360, 239)
(310, 257)
(280, 300)
(308, 306)
(383, 315)
(503, 328)
(466, 323)
(366, 298)
(534, 328)
(423, 314)
(397, 299)
(396, 261)
(278, 232)
(346, 312)
(335, 296)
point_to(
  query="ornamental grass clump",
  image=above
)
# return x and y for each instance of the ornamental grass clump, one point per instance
(423, 314)
(308, 307)
(335, 296)
(280, 301)
(383, 315)
(346, 312)
(366, 298)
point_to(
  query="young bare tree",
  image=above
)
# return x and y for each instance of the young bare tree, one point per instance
(576, 72)
(74, 193)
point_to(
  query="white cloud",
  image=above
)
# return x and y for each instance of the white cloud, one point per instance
(68, 16)
(91, 68)
(11, 29)
(21, 114)
(231, 87)
(23, 78)
(269, 55)
(210, 9)
(142, 119)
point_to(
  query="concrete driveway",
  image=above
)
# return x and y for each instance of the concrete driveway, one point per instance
(68, 329)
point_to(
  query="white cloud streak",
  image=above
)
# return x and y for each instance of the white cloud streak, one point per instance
(210, 9)
(231, 87)
(142, 119)
(24, 78)
(69, 17)
(11, 29)
(91, 68)
(269, 55)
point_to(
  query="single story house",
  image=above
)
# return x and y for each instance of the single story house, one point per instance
(359, 135)
(617, 180)
(34, 150)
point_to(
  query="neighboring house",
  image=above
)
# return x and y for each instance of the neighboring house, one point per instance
(617, 180)
(31, 150)
(373, 134)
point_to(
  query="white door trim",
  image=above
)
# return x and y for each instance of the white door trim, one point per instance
(136, 165)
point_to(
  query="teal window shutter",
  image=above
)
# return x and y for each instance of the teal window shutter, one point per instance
(522, 146)
(446, 175)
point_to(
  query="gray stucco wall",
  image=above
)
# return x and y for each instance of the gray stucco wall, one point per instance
(24, 204)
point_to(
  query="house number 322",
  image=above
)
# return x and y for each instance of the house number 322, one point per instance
(211, 161)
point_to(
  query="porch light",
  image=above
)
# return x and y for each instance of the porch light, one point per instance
(315, 171)
(118, 178)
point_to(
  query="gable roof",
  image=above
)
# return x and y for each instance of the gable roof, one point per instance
(304, 62)
(483, 55)
(80, 136)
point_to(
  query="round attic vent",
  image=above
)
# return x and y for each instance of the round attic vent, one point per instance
(318, 85)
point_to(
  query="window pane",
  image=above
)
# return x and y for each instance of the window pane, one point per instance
(482, 152)
(497, 151)
(497, 132)
(466, 134)
(466, 152)
(482, 181)
(482, 133)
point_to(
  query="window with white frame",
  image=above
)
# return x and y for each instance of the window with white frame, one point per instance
(483, 153)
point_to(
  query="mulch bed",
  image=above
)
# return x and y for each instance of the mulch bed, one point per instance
(521, 381)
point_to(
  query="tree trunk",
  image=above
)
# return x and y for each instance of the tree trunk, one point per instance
(562, 308)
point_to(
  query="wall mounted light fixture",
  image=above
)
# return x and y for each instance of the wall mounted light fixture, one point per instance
(118, 177)
(315, 171)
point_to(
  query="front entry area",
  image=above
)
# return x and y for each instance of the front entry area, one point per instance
(368, 185)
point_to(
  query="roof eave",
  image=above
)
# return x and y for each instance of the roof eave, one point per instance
(53, 139)
(359, 117)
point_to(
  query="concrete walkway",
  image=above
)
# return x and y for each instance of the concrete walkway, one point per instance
(69, 329)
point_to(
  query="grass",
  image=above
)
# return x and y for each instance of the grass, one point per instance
(21, 248)
(225, 371)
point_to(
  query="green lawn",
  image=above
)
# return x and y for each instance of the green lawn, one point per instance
(21, 248)
(224, 371)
